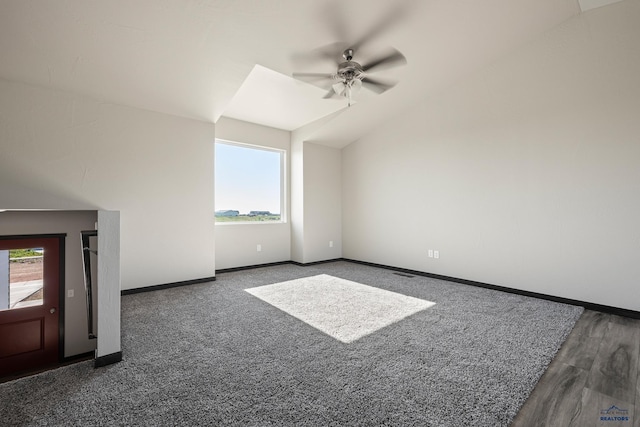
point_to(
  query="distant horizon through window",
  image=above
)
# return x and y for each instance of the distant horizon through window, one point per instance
(248, 183)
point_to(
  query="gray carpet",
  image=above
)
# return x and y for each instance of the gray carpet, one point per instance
(213, 354)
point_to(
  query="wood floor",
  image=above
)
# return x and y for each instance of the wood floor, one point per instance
(594, 379)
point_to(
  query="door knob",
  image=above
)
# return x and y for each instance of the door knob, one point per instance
(53, 310)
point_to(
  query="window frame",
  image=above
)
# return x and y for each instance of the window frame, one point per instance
(283, 186)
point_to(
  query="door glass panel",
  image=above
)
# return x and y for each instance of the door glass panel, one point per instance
(21, 278)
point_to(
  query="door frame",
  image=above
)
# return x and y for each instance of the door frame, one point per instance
(61, 284)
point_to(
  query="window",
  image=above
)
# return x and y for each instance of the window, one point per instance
(249, 183)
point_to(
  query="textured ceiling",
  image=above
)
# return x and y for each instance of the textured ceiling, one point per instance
(190, 57)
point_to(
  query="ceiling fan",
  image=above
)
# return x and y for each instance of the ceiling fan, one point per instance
(350, 75)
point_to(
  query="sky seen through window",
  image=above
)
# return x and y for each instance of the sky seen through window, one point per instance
(247, 179)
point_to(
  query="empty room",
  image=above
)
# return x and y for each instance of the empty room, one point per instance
(320, 212)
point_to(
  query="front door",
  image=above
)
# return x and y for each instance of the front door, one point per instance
(29, 303)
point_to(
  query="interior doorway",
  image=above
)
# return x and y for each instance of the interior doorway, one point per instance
(31, 275)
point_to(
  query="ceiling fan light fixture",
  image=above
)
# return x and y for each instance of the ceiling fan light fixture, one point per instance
(347, 88)
(339, 88)
(356, 85)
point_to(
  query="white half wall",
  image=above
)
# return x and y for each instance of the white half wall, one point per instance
(108, 341)
(63, 151)
(236, 244)
(525, 175)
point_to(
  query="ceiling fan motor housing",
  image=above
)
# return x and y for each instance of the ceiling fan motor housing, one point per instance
(349, 71)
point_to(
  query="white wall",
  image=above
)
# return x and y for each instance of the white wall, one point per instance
(525, 175)
(236, 244)
(108, 328)
(297, 201)
(63, 151)
(316, 200)
(71, 223)
(322, 189)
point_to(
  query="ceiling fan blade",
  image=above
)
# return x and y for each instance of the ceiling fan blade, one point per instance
(312, 76)
(330, 94)
(331, 52)
(393, 17)
(393, 59)
(321, 80)
(376, 85)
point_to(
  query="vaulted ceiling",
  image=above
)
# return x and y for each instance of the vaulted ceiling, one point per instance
(190, 57)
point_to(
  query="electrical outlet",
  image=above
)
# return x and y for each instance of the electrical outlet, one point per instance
(430, 253)
(330, 243)
(259, 248)
(436, 254)
(70, 293)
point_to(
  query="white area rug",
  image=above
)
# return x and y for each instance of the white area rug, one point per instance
(341, 308)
